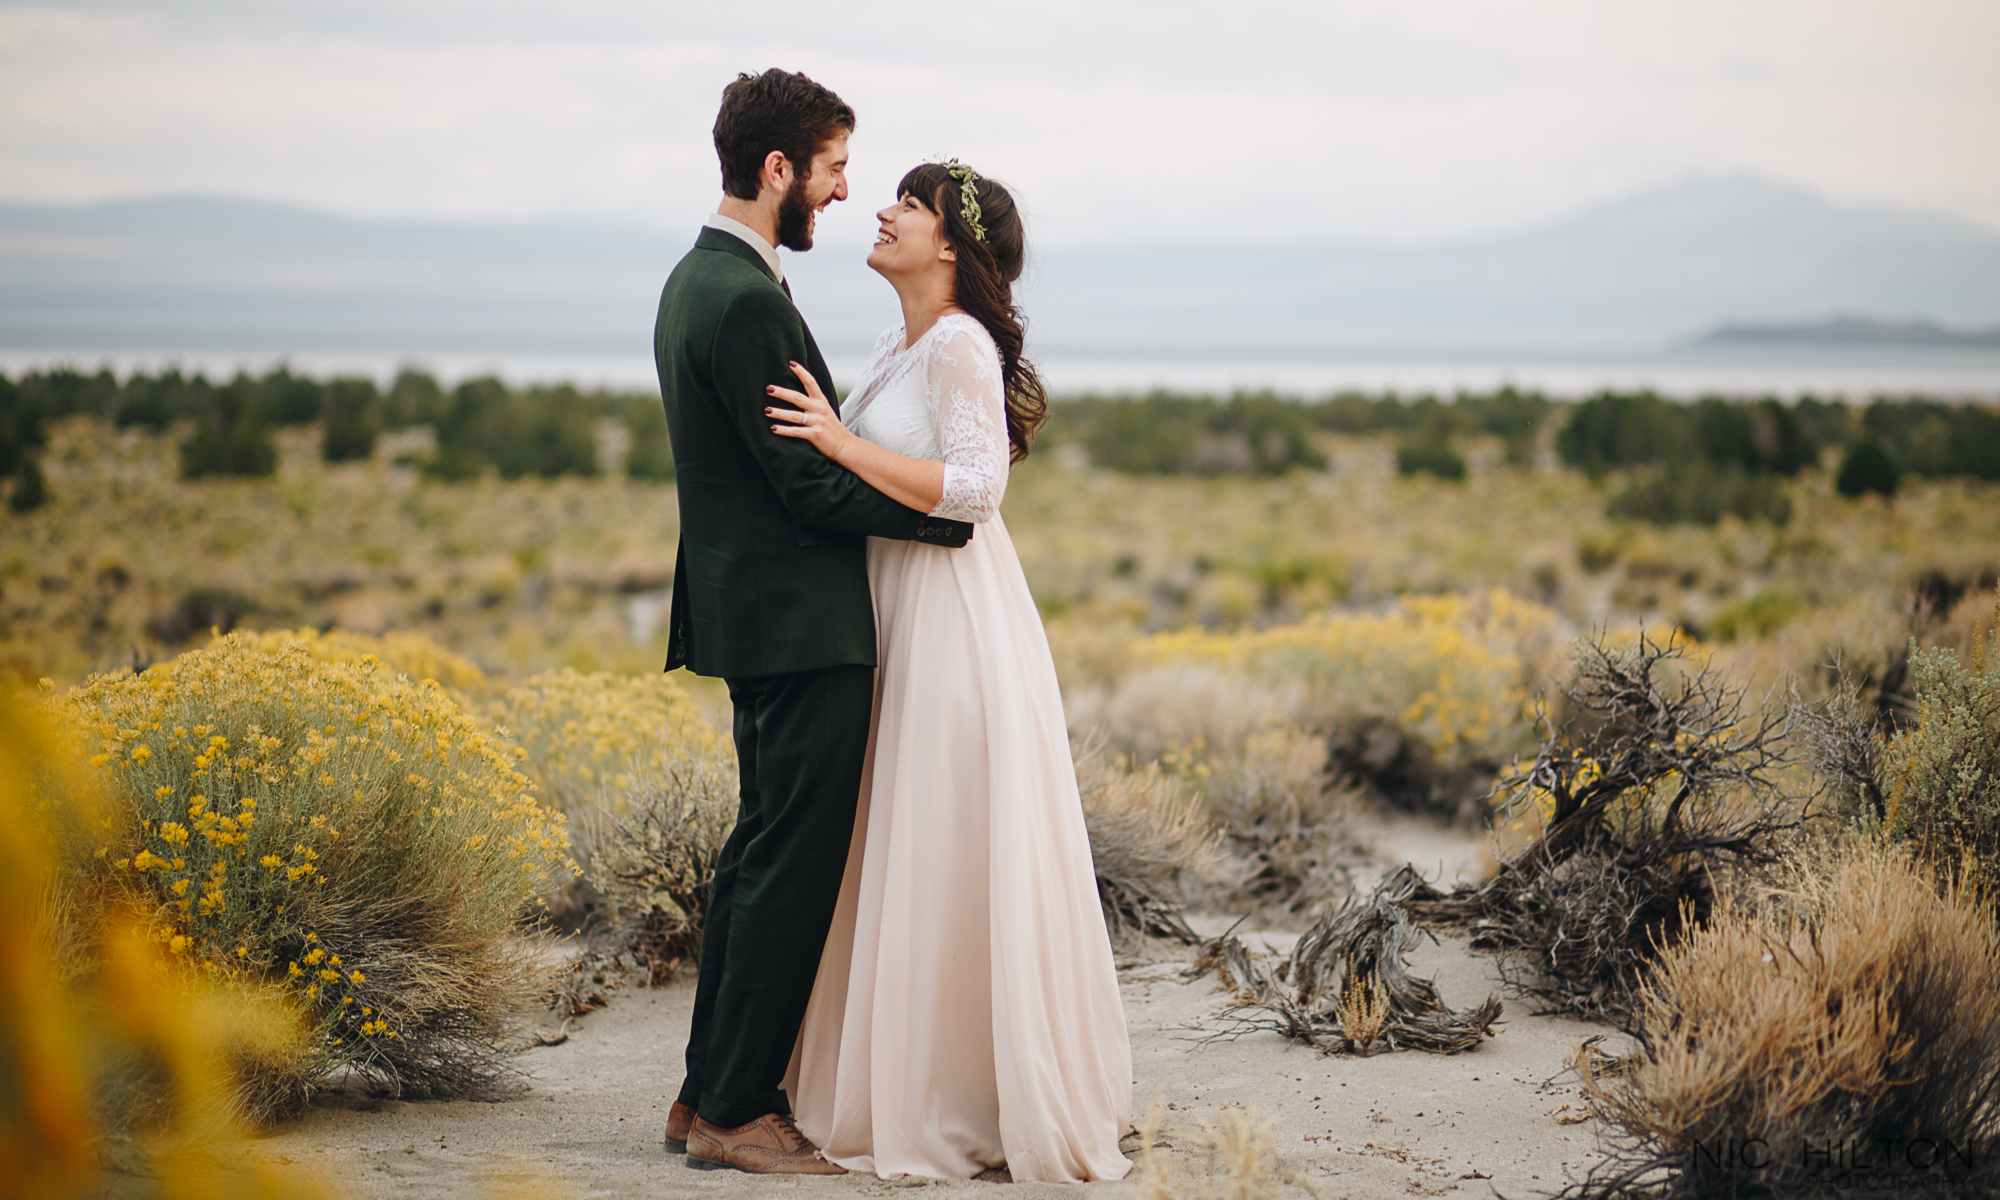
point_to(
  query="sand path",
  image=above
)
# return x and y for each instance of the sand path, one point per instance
(1505, 1116)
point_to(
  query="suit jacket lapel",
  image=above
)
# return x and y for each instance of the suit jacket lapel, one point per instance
(729, 243)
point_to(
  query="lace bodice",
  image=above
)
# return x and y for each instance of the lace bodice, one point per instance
(939, 399)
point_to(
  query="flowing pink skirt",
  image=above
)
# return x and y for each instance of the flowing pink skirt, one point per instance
(966, 1013)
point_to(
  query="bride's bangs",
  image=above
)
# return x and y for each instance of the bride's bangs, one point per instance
(924, 181)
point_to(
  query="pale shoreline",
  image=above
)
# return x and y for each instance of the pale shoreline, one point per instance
(1856, 374)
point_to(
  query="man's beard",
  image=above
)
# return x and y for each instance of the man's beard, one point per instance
(795, 217)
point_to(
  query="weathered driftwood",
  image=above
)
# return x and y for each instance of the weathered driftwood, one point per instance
(1345, 985)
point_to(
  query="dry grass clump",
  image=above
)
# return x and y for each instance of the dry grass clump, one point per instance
(1146, 829)
(1835, 1032)
(1345, 985)
(1636, 803)
(1171, 704)
(112, 1058)
(1284, 820)
(1858, 641)
(657, 863)
(358, 842)
(595, 744)
(1418, 706)
(1261, 785)
(1230, 1156)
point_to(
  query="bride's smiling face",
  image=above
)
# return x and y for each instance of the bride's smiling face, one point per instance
(907, 241)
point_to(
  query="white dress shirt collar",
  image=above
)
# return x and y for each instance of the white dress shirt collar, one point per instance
(751, 236)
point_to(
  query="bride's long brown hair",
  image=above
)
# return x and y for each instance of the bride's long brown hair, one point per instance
(984, 288)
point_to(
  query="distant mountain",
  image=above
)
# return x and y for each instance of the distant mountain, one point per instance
(1639, 274)
(195, 273)
(1846, 331)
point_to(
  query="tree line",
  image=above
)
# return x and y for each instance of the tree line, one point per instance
(1719, 455)
(1164, 432)
(1675, 461)
(480, 425)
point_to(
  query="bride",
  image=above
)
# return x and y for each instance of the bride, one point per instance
(966, 1012)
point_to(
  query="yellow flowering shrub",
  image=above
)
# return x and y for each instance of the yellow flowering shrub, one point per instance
(402, 652)
(619, 750)
(110, 1057)
(360, 840)
(1455, 670)
(593, 737)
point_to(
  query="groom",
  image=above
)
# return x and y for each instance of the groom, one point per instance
(771, 594)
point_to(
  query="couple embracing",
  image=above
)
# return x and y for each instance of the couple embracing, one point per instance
(905, 969)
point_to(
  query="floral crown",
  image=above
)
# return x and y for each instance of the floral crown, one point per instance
(968, 198)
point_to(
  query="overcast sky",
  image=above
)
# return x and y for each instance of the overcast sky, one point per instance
(1119, 121)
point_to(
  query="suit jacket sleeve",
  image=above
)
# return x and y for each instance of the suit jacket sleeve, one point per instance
(759, 335)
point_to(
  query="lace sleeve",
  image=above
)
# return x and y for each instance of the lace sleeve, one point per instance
(968, 405)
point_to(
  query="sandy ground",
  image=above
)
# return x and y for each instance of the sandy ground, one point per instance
(1503, 1118)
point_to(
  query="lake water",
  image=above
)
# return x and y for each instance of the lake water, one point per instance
(1834, 372)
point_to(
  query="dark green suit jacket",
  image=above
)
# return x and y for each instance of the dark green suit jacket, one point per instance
(772, 572)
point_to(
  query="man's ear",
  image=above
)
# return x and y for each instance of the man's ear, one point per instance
(777, 173)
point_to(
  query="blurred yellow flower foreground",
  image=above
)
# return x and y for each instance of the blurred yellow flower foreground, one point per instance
(111, 1055)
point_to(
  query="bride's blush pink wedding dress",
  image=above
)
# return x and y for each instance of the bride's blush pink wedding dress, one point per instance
(966, 1012)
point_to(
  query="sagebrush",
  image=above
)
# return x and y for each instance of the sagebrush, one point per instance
(1843, 1022)
(356, 838)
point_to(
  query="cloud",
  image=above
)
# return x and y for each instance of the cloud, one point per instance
(1118, 121)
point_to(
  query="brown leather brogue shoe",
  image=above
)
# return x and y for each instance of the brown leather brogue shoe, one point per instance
(769, 1145)
(680, 1119)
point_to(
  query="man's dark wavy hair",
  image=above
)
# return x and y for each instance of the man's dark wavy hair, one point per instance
(778, 110)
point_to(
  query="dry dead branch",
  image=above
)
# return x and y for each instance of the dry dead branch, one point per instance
(1345, 985)
(1642, 797)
